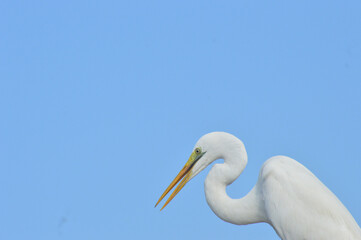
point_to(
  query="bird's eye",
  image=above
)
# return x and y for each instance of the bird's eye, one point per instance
(197, 150)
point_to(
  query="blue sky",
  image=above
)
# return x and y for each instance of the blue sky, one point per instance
(102, 102)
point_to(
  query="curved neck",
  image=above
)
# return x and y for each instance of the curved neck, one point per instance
(246, 210)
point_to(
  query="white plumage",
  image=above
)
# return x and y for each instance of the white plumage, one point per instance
(287, 195)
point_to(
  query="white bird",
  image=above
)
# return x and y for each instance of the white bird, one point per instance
(287, 195)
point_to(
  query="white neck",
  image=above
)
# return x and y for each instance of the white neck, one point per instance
(246, 210)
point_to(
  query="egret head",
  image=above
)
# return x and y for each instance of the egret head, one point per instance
(207, 149)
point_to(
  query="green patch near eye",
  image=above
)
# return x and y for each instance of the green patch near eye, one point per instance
(197, 151)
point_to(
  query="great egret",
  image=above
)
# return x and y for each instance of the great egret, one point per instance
(287, 195)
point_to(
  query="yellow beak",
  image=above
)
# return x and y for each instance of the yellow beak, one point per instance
(186, 173)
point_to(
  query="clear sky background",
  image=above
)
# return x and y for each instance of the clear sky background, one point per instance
(102, 102)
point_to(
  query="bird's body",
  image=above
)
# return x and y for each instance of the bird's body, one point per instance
(294, 195)
(287, 195)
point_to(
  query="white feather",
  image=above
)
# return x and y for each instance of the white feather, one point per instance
(287, 195)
